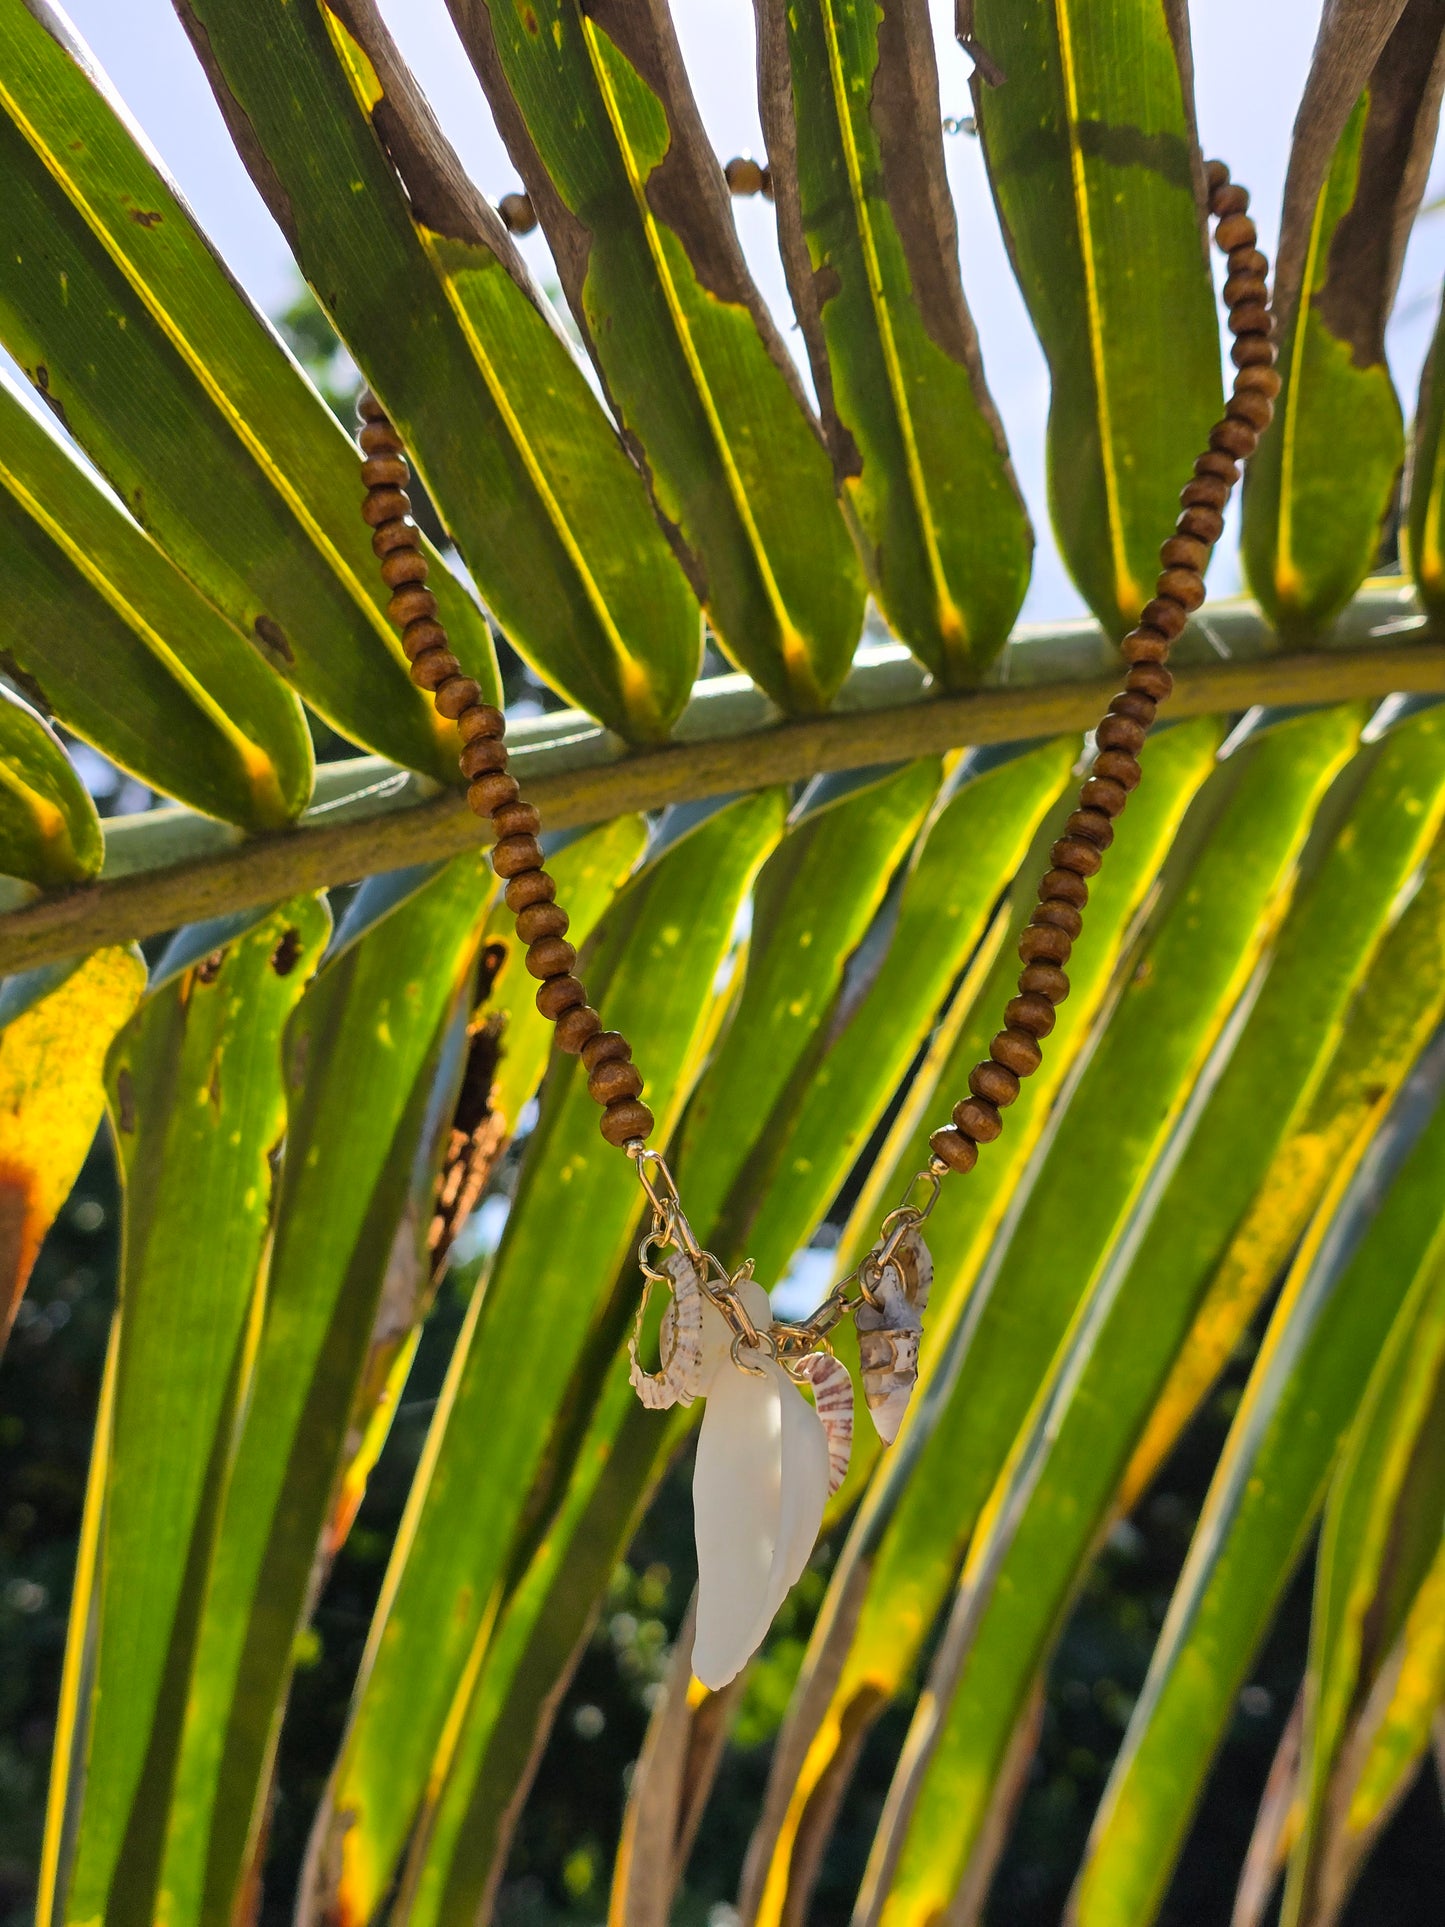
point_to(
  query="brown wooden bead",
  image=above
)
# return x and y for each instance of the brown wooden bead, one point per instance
(1205, 492)
(433, 667)
(422, 635)
(1256, 410)
(1121, 764)
(1104, 794)
(575, 1027)
(1249, 318)
(529, 887)
(1044, 940)
(1063, 886)
(559, 994)
(379, 438)
(1075, 853)
(486, 753)
(1235, 231)
(1258, 381)
(542, 920)
(490, 790)
(1167, 617)
(1054, 910)
(952, 1148)
(1215, 462)
(385, 505)
(609, 1082)
(1031, 1013)
(1248, 261)
(483, 720)
(369, 408)
(626, 1120)
(1183, 586)
(456, 697)
(1047, 979)
(1093, 826)
(516, 819)
(403, 565)
(391, 536)
(1216, 176)
(514, 854)
(606, 1047)
(995, 1083)
(1245, 287)
(385, 471)
(1120, 732)
(1234, 438)
(1139, 709)
(1185, 552)
(978, 1119)
(1205, 525)
(412, 603)
(1144, 645)
(1228, 198)
(1017, 1050)
(1253, 351)
(1151, 679)
(550, 957)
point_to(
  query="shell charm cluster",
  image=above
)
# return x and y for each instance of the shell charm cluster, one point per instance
(777, 1432)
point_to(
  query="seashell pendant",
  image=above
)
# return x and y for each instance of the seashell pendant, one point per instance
(832, 1385)
(680, 1379)
(889, 1331)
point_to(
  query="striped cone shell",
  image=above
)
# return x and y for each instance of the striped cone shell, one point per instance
(832, 1385)
(888, 1334)
(680, 1379)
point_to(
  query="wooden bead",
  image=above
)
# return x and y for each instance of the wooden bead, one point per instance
(1062, 914)
(1245, 287)
(412, 603)
(1228, 198)
(369, 408)
(456, 696)
(422, 635)
(1044, 940)
(1183, 586)
(1205, 525)
(1235, 231)
(626, 1120)
(379, 438)
(1253, 351)
(1074, 853)
(433, 667)
(1249, 318)
(1248, 261)
(559, 994)
(978, 1119)
(490, 790)
(1205, 492)
(1151, 679)
(1167, 617)
(1216, 176)
(1046, 980)
(482, 721)
(575, 1026)
(1139, 709)
(1263, 380)
(1030, 1013)
(391, 536)
(1234, 438)
(529, 887)
(605, 1047)
(609, 1082)
(518, 214)
(542, 920)
(1246, 406)
(486, 753)
(385, 505)
(1121, 764)
(1063, 886)
(955, 1150)
(385, 471)
(516, 819)
(1093, 826)
(1215, 462)
(1120, 732)
(550, 957)
(1144, 645)
(1104, 794)
(514, 854)
(1185, 552)
(1017, 1051)
(403, 565)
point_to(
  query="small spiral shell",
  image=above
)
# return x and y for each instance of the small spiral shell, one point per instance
(889, 1331)
(832, 1385)
(680, 1379)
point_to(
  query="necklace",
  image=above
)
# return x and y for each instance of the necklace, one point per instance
(767, 1458)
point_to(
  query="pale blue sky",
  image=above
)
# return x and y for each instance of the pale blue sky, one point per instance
(1245, 107)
